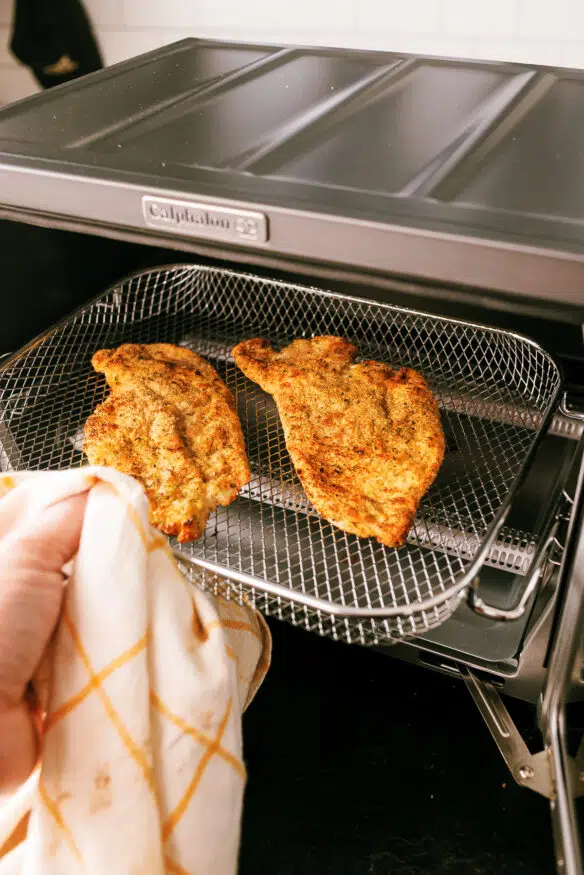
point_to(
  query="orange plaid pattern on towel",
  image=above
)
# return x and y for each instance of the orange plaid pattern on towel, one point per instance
(142, 765)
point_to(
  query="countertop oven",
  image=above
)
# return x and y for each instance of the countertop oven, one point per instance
(430, 209)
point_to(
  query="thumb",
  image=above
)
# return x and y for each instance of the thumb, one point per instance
(31, 589)
(47, 542)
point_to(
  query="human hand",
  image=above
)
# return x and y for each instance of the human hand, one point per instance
(31, 591)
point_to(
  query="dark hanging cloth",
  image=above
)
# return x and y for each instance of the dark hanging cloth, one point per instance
(55, 39)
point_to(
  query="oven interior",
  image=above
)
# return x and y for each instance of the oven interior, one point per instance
(500, 649)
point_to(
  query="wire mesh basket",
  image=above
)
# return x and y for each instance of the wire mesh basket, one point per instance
(496, 392)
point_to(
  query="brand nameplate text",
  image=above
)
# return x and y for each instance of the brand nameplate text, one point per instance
(204, 220)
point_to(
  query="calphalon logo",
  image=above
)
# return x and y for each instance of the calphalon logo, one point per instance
(203, 220)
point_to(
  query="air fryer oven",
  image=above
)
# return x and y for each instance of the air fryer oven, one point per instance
(352, 191)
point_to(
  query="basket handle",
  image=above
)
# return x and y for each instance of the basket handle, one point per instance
(484, 609)
(561, 508)
(560, 512)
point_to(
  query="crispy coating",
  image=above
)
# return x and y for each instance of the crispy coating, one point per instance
(170, 422)
(366, 440)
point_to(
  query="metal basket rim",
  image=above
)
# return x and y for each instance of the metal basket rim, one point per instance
(326, 293)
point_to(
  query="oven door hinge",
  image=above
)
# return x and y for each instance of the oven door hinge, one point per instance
(531, 770)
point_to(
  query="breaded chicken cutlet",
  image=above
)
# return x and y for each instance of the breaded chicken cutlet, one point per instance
(170, 422)
(366, 440)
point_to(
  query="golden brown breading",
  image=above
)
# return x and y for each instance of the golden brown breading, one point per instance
(170, 422)
(366, 440)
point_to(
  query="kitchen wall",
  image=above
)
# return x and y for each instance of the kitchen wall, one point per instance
(15, 81)
(533, 31)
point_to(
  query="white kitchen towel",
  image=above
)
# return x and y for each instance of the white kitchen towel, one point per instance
(141, 768)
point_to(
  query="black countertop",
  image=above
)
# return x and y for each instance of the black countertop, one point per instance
(361, 765)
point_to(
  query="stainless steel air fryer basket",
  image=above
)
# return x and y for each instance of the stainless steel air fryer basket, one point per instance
(496, 391)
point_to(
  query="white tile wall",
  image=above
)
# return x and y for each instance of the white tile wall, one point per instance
(488, 20)
(530, 31)
(560, 20)
(15, 83)
(108, 13)
(5, 56)
(5, 11)
(419, 18)
(151, 13)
